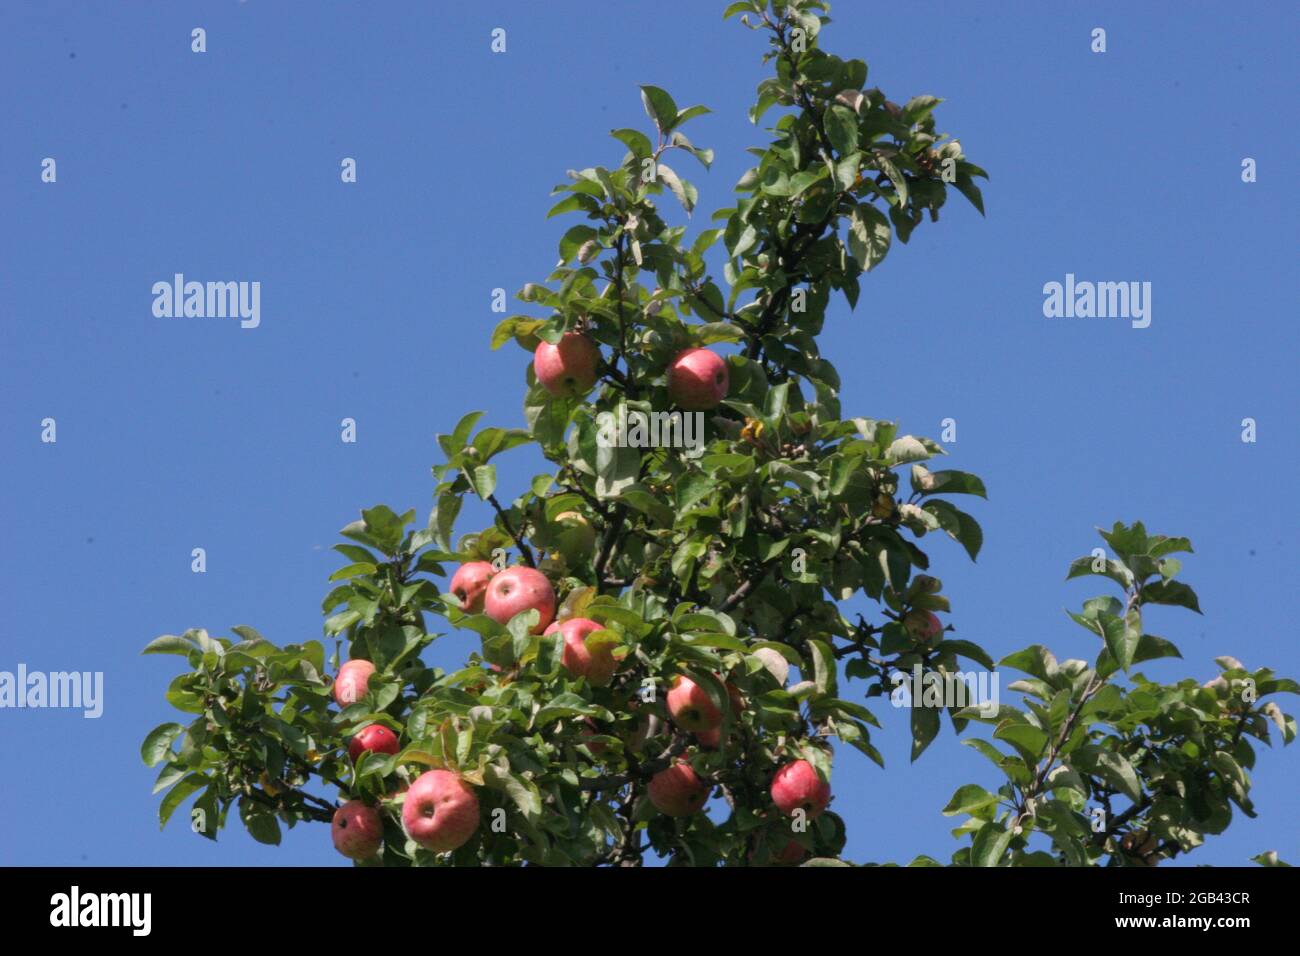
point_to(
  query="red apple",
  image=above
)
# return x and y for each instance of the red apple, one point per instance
(597, 666)
(678, 791)
(357, 830)
(698, 380)
(353, 682)
(519, 589)
(567, 368)
(440, 812)
(690, 706)
(469, 584)
(709, 739)
(376, 738)
(924, 626)
(796, 786)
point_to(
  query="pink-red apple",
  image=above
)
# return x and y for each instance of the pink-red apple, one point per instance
(469, 584)
(709, 739)
(924, 626)
(376, 738)
(797, 786)
(567, 368)
(690, 706)
(440, 812)
(678, 791)
(596, 665)
(353, 682)
(698, 380)
(357, 830)
(520, 589)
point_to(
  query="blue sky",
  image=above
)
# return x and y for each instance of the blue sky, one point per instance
(175, 434)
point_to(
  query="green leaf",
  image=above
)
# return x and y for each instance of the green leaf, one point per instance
(968, 799)
(869, 236)
(637, 143)
(177, 794)
(925, 727)
(1027, 736)
(842, 129)
(1035, 660)
(824, 672)
(1171, 592)
(483, 478)
(686, 194)
(960, 526)
(990, 844)
(261, 825)
(158, 744)
(949, 483)
(169, 644)
(1108, 765)
(659, 106)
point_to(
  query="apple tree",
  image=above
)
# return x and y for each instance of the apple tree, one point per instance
(662, 621)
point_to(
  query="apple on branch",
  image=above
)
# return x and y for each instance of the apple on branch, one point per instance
(440, 812)
(357, 830)
(924, 626)
(567, 368)
(690, 706)
(678, 791)
(520, 589)
(373, 739)
(698, 380)
(470, 583)
(353, 682)
(596, 664)
(798, 786)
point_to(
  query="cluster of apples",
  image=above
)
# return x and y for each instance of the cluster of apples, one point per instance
(697, 378)
(440, 811)
(678, 791)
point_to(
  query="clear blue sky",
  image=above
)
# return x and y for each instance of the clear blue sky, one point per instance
(176, 434)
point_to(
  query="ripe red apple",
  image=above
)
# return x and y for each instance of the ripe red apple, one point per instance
(796, 786)
(596, 665)
(678, 791)
(353, 682)
(357, 830)
(924, 626)
(519, 589)
(690, 706)
(698, 380)
(469, 584)
(568, 367)
(440, 812)
(376, 738)
(709, 739)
